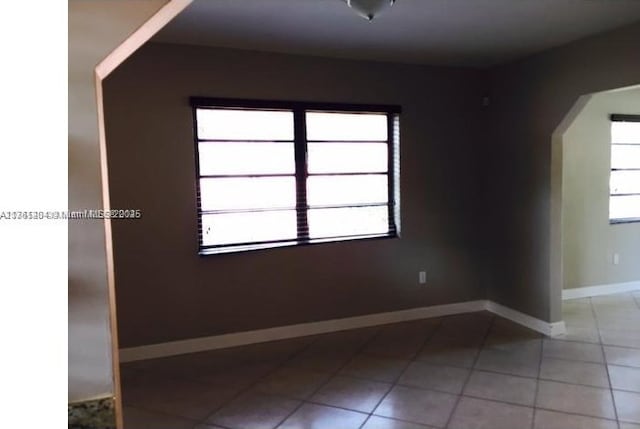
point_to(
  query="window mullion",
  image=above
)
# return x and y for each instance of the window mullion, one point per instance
(300, 136)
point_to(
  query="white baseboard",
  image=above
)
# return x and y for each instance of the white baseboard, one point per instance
(546, 328)
(589, 291)
(314, 328)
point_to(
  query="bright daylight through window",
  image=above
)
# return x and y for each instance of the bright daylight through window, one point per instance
(624, 200)
(276, 174)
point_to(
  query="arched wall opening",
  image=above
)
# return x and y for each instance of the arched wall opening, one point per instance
(583, 241)
(91, 259)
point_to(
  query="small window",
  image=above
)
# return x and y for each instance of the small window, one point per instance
(624, 200)
(272, 174)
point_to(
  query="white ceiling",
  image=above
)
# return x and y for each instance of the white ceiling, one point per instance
(476, 33)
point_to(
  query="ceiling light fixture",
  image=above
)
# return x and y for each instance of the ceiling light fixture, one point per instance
(368, 9)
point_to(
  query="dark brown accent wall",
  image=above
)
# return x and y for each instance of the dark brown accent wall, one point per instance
(476, 187)
(165, 291)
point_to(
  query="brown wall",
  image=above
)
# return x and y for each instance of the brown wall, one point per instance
(529, 100)
(165, 291)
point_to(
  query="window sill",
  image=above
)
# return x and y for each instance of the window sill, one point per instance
(627, 220)
(207, 251)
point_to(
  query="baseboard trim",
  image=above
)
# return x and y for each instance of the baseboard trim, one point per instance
(546, 328)
(608, 289)
(194, 345)
(293, 331)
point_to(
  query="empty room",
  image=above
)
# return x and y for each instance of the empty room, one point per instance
(354, 214)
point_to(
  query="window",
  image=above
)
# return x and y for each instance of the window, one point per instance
(273, 174)
(624, 199)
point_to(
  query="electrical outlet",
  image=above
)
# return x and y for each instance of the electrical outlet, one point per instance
(422, 277)
(616, 258)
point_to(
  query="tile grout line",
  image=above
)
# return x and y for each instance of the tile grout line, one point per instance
(256, 382)
(394, 383)
(599, 343)
(574, 384)
(197, 422)
(398, 419)
(493, 371)
(510, 375)
(604, 357)
(473, 367)
(194, 379)
(537, 389)
(414, 359)
(330, 376)
(570, 413)
(498, 401)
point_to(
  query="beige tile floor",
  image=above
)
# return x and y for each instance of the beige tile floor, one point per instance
(472, 371)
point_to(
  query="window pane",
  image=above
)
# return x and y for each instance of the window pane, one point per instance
(625, 182)
(347, 157)
(625, 156)
(625, 132)
(237, 124)
(229, 228)
(246, 158)
(346, 126)
(348, 221)
(247, 193)
(336, 190)
(624, 207)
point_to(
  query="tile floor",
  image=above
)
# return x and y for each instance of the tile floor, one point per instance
(471, 371)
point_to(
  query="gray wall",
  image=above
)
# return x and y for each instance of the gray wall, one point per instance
(476, 187)
(529, 100)
(589, 240)
(165, 291)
